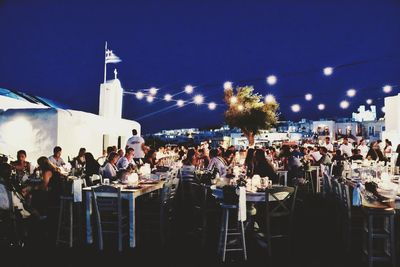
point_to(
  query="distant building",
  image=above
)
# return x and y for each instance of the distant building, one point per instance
(365, 115)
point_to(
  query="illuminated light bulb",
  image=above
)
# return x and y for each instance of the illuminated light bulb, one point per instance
(321, 106)
(233, 100)
(308, 97)
(212, 106)
(189, 89)
(228, 85)
(383, 110)
(270, 99)
(139, 95)
(344, 104)
(387, 89)
(180, 103)
(272, 79)
(198, 99)
(150, 98)
(295, 108)
(351, 92)
(168, 97)
(369, 101)
(240, 107)
(153, 91)
(328, 71)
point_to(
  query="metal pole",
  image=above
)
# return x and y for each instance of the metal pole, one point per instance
(105, 64)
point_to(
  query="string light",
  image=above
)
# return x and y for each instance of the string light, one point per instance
(369, 101)
(180, 103)
(295, 108)
(308, 97)
(240, 107)
(344, 104)
(212, 106)
(351, 92)
(168, 97)
(150, 98)
(189, 89)
(387, 89)
(228, 85)
(139, 95)
(233, 100)
(328, 71)
(321, 106)
(198, 99)
(153, 91)
(270, 99)
(272, 79)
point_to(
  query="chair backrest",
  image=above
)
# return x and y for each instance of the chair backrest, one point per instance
(230, 196)
(337, 192)
(280, 201)
(107, 199)
(5, 198)
(346, 200)
(96, 179)
(327, 182)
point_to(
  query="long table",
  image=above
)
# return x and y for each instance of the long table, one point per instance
(128, 194)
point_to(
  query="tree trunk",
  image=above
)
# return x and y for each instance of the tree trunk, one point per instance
(250, 137)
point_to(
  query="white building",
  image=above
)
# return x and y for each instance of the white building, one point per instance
(392, 120)
(365, 115)
(36, 125)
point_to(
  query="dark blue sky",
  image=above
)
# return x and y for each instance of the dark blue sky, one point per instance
(55, 49)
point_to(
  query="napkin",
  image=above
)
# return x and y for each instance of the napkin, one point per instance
(357, 196)
(242, 213)
(77, 190)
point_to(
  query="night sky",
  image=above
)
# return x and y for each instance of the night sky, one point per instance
(55, 49)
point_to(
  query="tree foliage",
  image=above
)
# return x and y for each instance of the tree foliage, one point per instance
(248, 112)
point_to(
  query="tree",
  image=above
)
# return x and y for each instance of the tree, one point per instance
(248, 112)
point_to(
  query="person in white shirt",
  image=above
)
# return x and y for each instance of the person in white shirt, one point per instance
(124, 162)
(363, 148)
(217, 162)
(56, 157)
(328, 145)
(137, 143)
(110, 170)
(346, 148)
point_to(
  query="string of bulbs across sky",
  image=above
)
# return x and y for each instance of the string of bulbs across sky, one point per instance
(151, 94)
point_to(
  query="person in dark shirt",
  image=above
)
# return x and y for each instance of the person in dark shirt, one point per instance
(263, 167)
(375, 152)
(356, 155)
(91, 167)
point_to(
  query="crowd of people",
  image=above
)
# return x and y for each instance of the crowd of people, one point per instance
(37, 187)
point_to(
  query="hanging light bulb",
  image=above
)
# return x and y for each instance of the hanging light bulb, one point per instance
(295, 108)
(269, 99)
(344, 104)
(153, 91)
(369, 101)
(139, 95)
(198, 99)
(272, 79)
(387, 89)
(227, 85)
(212, 106)
(150, 98)
(351, 92)
(168, 97)
(189, 89)
(233, 100)
(180, 103)
(308, 97)
(328, 71)
(321, 106)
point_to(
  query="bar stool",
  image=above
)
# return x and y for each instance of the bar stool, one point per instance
(227, 232)
(384, 231)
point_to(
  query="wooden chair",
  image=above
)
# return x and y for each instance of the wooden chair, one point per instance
(280, 204)
(108, 211)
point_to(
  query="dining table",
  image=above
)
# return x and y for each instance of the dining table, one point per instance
(128, 194)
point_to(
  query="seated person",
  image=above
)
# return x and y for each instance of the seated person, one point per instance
(21, 166)
(356, 155)
(56, 159)
(151, 158)
(110, 170)
(189, 165)
(217, 162)
(127, 160)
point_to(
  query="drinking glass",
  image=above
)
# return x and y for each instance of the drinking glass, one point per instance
(106, 181)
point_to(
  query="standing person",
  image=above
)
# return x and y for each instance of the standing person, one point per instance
(328, 144)
(346, 148)
(363, 148)
(56, 158)
(137, 143)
